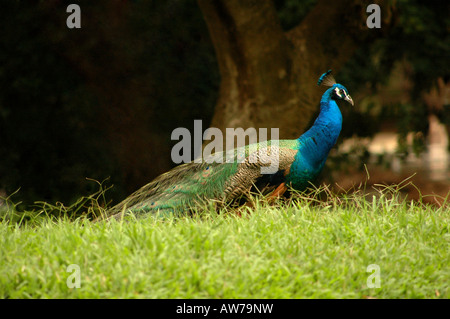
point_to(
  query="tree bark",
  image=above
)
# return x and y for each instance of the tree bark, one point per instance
(269, 77)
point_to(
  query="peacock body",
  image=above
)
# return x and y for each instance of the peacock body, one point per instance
(230, 176)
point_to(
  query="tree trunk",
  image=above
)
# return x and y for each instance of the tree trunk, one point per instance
(269, 77)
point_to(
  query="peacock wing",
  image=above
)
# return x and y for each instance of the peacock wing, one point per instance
(265, 167)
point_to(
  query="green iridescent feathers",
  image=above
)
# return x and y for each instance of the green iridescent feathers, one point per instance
(223, 181)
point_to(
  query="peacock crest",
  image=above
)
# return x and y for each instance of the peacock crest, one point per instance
(326, 79)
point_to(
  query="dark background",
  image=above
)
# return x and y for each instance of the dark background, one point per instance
(101, 101)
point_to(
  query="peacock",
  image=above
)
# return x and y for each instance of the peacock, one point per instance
(230, 176)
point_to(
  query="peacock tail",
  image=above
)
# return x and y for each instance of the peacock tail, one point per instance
(230, 176)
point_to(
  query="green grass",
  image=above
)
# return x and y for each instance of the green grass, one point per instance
(300, 249)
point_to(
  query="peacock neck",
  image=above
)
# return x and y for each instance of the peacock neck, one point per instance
(322, 136)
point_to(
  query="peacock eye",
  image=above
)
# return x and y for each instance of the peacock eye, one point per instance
(342, 91)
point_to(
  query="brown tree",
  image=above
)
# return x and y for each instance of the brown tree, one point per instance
(268, 76)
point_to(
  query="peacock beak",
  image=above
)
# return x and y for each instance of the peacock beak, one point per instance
(348, 98)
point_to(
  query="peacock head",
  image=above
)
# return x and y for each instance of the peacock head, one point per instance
(337, 91)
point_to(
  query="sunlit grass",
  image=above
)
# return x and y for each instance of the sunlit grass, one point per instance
(302, 248)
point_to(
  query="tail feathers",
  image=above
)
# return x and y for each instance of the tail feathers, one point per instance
(140, 213)
(174, 192)
(196, 184)
(159, 205)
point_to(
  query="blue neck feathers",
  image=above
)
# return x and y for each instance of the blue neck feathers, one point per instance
(316, 143)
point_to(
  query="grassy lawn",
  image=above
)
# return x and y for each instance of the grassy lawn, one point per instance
(299, 249)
